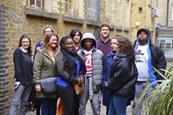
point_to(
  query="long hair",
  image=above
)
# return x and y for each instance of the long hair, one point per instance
(20, 43)
(125, 46)
(46, 40)
(67, 54)
(74, 31)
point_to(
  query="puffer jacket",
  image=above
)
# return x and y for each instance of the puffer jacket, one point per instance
(123, 76)
(97, 56)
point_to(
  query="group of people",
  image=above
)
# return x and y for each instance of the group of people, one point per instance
(110, 70)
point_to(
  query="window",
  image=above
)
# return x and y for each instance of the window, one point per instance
(75, 8)
(172, 12)
(45, 5)
(93, 10)
(166, 44)
(38, 4)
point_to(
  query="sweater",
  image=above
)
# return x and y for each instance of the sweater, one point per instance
(23, 67)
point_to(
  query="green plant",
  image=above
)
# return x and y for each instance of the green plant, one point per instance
(161, 97)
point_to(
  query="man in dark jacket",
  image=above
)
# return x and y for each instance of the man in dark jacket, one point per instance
(148, 56)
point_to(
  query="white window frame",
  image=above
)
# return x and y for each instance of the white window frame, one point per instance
(172, 12)
(35, 5)
(45, 5)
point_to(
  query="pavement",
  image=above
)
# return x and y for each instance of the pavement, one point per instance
(89, 111)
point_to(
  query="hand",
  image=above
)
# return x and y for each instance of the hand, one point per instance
(81, 78)
(37, 87)
(16, 85)
(97, 88)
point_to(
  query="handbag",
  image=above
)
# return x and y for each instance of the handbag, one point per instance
(48, 84)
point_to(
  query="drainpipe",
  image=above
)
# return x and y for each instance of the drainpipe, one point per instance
(167, 14)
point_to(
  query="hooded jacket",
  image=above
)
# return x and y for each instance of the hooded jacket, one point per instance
(97, 56)
(158, 60)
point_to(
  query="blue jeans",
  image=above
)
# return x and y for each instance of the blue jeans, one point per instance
(117, 105)
(48, 106)
(21, 94)
(139, 88)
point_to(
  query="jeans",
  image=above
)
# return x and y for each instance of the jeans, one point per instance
(139, 88)
(20, 97)
(95, 101)
(48, 106)
(118, 105)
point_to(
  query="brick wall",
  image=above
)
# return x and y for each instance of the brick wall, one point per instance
(4, 97)
(13, 23)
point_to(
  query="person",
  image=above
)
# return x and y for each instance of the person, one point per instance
(22, 59)
(93, 77)
(104, 42)
(148, 56)
(47, 30)
(44, 67)
(76, 35)
(71, 70)
(123, 76)
(107, 63)
(35, 103)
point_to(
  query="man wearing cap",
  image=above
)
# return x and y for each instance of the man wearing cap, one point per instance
(147, 57)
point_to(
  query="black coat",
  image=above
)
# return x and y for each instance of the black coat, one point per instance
(123, 76)
(157, 56)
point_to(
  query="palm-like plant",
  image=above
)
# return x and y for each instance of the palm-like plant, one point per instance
(161, 97)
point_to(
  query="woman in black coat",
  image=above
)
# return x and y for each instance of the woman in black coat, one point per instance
(123, 76)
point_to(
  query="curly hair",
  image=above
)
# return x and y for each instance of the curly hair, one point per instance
(125, 46)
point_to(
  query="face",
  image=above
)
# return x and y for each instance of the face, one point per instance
(69, 44)
(143, 36)
(114, 45)
(25, 43)
(104, 32)
(48, 31)
(76, 38)
(88, 44)
(53, 42)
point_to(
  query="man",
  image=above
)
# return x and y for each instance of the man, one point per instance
(148, 56)
(104, 43)
(76, 35)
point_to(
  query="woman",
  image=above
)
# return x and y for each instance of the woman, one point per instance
(123, 76)
(34, 102)
(44, 67)
(107, 63)
(76, 35)
(23, 75)
(71, 70)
